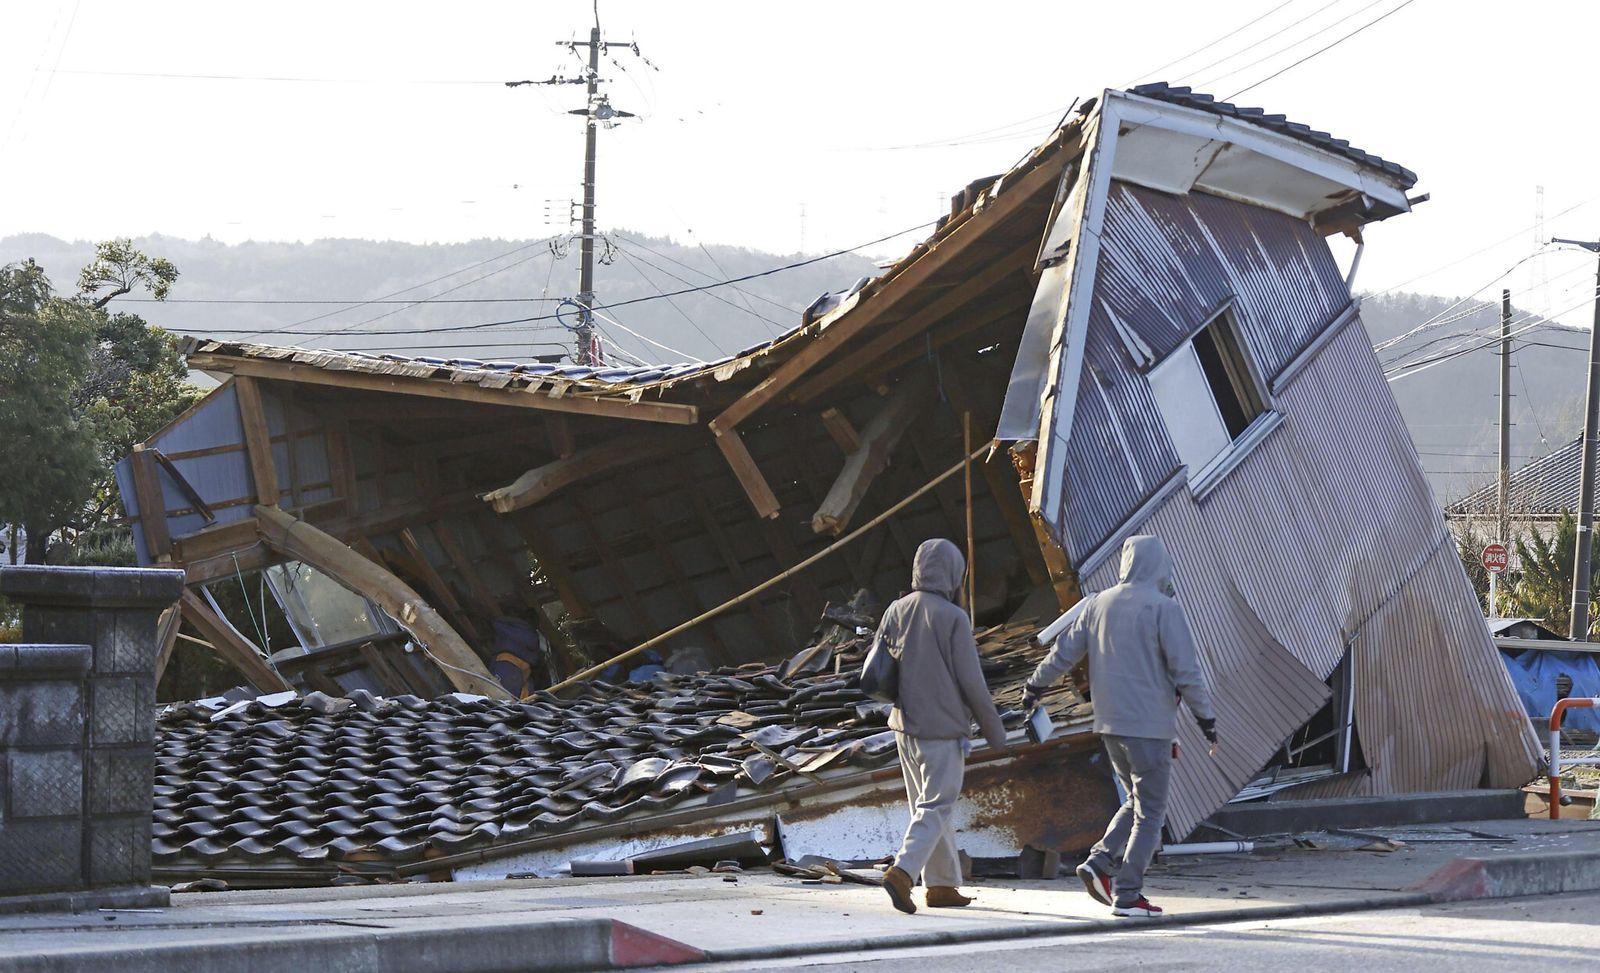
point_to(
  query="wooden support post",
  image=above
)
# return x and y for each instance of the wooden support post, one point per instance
(341, 464)
(234, 648)
(257, 440)
(428, 575)
(878, 440)
(839, 428)
(304, 542)
(291, 437)
(152, 503)
(749, 475)
(1063, 579)
(166, 638)
(543, 481)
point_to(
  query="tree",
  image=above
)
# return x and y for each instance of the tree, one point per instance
(1543, 587)
(78, 387)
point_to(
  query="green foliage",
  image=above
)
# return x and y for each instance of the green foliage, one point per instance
(118, 268)
(1543, 586)
(1470, 543)
(78, 387)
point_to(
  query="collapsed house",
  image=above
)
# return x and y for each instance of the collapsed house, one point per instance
(1144, 314)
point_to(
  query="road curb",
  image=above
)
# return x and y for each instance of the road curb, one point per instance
(1511, 876)
(1041, 930)
(559, 945)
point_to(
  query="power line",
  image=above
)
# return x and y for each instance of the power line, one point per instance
(1206, 47)
(1296, 43)
(637, 300)
(345, 302)
(673, 304)
(787, 309)
(1257, 43)
(1322, 50)
(631, 257)
(282, 78)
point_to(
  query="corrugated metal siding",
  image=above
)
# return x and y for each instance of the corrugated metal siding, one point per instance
(1369, 565)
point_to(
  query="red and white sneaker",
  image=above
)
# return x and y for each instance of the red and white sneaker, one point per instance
(1096, 883)
(1143, 907)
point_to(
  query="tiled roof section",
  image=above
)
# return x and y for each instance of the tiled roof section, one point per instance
(1181, 95)
(285, 781)
(488, 374)
(1546, 487)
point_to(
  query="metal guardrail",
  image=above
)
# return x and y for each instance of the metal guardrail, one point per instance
(1557, 716)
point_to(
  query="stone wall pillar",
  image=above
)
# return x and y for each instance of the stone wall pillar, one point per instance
(77, 734)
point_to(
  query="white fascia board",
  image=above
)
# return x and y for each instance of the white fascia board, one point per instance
(1138, 111)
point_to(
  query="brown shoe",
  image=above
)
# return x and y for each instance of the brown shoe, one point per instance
(946, 897)
(898, 884)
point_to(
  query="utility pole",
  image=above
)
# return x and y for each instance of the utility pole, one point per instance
(1503, 525)
(597, 111)
(1579, 628)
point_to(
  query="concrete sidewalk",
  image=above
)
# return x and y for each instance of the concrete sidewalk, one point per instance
(568, 924)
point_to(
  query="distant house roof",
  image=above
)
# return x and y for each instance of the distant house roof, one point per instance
(1182, 95)
(1546, 487)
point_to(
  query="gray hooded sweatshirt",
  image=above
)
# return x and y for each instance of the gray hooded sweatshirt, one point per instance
(1141, 654)
(942, 689)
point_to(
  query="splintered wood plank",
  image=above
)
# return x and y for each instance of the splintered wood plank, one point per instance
(844, 434)
(430, 576)
(546, 480)
(257, 441)
(166, 638)
(862, 466)
(748, 473)
(230, 645)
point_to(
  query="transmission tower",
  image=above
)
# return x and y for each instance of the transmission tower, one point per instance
(597, 112)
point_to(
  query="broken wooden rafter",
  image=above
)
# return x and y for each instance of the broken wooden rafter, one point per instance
(152, 503)
(615, 408)
(229, 644)
(166, 638)
(303, 542)
(840, 430)
(550, 478)
(748, 473)
(878, 439)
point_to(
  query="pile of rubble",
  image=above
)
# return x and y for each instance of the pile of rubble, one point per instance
(286, 780)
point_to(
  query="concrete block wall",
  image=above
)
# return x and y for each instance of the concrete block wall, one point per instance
(77, 726)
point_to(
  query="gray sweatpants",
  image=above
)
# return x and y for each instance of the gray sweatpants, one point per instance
(933, 770)
(1144, 769)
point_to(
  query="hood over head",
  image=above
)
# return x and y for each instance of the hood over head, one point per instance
(939, 568)
(1145, 561)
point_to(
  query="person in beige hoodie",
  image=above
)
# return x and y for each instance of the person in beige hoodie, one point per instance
(942, 692)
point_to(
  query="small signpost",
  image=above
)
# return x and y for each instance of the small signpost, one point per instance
(1495, 558)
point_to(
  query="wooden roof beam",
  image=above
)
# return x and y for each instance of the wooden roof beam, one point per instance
(878, 439)
(229, 644)
(257, 440)
(544, 481)
(842, 325)
(614, 408)
(304, 542)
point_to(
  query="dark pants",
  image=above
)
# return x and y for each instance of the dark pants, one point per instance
(1143, 766)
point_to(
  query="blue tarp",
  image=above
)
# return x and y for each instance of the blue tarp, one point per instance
(1534, 673)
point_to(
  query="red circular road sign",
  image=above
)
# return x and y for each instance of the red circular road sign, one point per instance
(1495, 558)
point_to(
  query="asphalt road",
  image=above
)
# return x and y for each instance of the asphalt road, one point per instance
(1514, 934)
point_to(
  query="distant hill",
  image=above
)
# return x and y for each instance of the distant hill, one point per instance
(1451, 407)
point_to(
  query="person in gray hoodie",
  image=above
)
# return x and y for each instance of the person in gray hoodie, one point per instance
(941, 693)
(1142, 662)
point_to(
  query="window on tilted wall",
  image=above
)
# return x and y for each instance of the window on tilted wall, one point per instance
(1207, 393)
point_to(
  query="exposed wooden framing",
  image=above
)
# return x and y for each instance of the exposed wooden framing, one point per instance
(1063, 578)
(291, 436)
(166, 638)
(559, 430)
(229, 644)
(543, 551)
(214, 540)
(993, 275)
(943, 335)
(425, 471)
(428, 575)
(341, 464)
(927, 461)
(450, 541)
(550, 478)
(304, 542)
(849, 323)
(257, 440)
(383, 669)
(1001, 477)
(196, 501)
(749, 475)
(861, 467)
(807, 596)
(497, 441)
(614, 408)
(675, 575)
(839, 428)
(226, 564)
(806, 474)
(152, 503)
(620, 582)
(759, 610)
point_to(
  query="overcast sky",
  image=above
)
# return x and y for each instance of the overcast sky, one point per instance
(788, 126)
